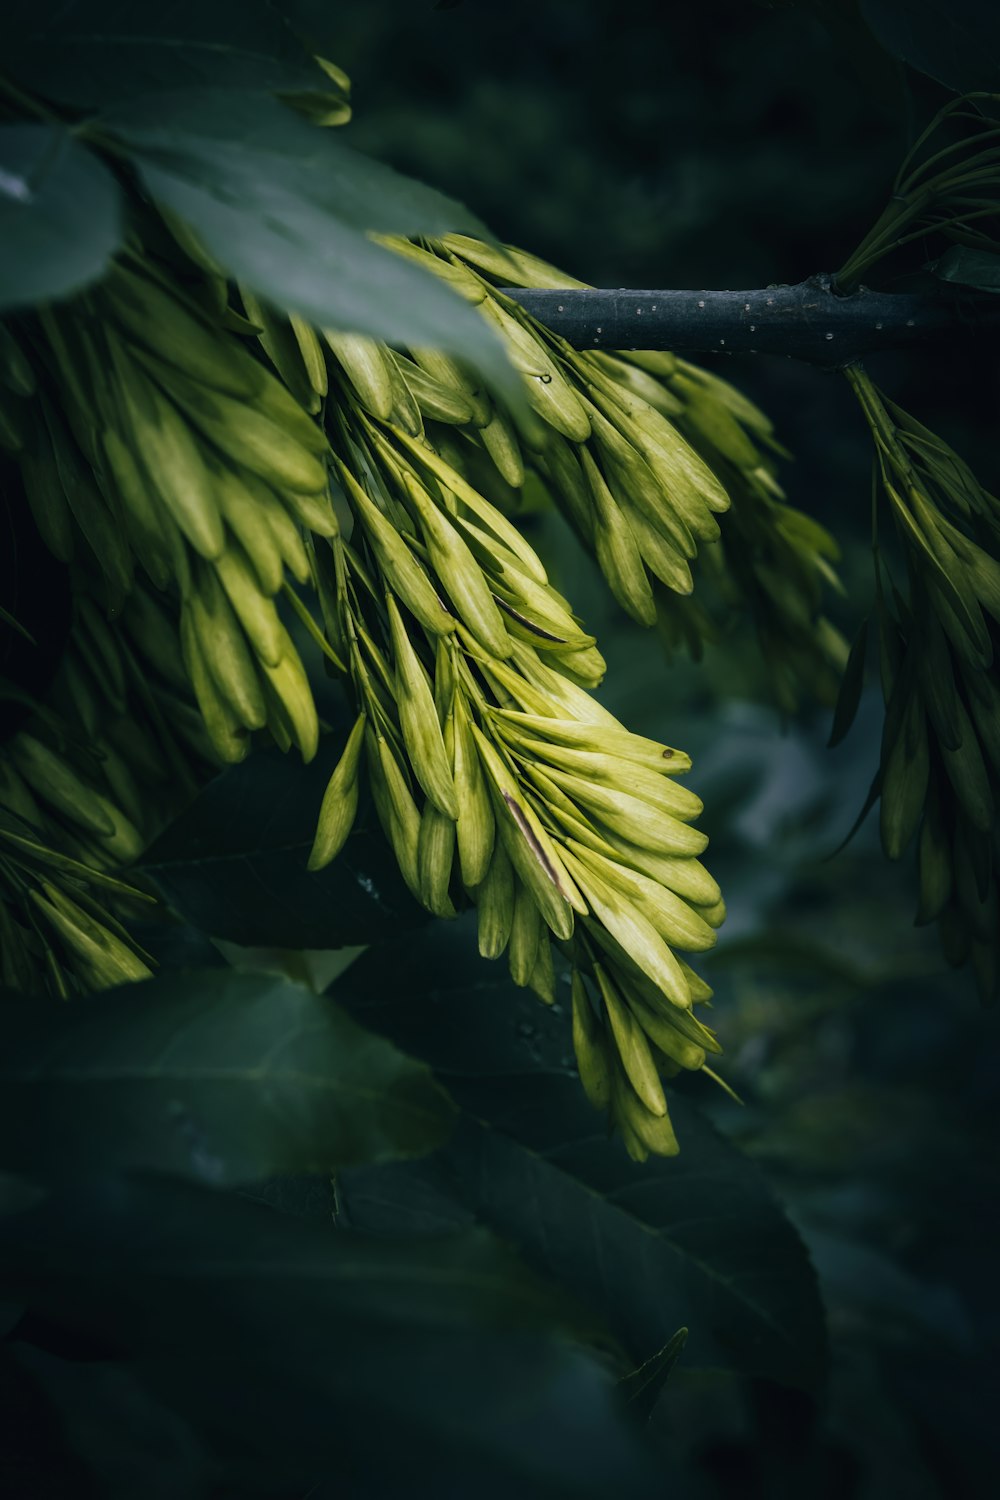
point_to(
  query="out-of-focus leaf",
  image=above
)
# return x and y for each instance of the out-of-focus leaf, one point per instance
(955, 41)
(301, 1355)
(642, 1388)
(234, 864)
(289, 210)
(89, 53)
(697, 1240)
(60, 215)
(967, 267)
(219, 1076)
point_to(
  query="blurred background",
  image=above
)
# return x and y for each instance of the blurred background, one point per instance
(731, 144)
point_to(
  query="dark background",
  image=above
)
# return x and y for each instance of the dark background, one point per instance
(730, 145)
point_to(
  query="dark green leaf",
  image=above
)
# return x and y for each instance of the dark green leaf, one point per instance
(851, 685)
(955, 41)
(216, 1075)
(697, 1240)
(89, 53)
(302, 1353)
(60, 215)
(234, 864)
(642, 1388)
(288, 209)
(968, 267)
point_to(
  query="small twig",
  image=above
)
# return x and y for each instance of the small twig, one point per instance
(808, 321)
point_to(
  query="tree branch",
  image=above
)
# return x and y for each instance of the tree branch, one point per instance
(808, 321)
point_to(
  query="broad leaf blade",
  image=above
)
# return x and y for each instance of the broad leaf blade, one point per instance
(60, 215)
(214, 1075)
(90, 53)
(967, 267)
(642, 1388)
(299, 1353)
(955, 41)
(698, 1240)
(234, 864)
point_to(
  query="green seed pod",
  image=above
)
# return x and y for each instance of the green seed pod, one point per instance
(340, 801)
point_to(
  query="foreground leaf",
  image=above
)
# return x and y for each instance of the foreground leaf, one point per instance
(698, 1240)
(234, 864)
(60, 215)
(299, 1354)
(288, 209)
(214, 1075)
(89, 53)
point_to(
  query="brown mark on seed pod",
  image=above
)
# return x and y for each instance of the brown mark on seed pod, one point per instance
(515, 614)
(531, 839)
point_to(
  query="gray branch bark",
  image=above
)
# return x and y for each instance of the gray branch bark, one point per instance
(808, 321)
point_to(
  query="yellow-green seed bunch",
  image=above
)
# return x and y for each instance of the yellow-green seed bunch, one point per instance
(666, 472)
(496, 776)
(58, 931)
(939, 778)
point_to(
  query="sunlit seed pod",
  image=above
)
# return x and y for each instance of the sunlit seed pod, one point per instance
(713, 913)
(659, 555)
(459, 573)
(656, 1026)
(527, 932)
(397, 810)
(254, 608)
(499, 438)
(225, 650)
(643, 1133)
(547, 389)
(468, 287)
(435, 857)
(228, 736)
(585, 666)
(527, 833)
(633, 932)
(494, 898)
(606, 767)
(289, 681)
(625, 371)
(367, 365)
(175, 461)
(617, 550)
(277, 538)
(475, 827)
(418, 718)
(676, 922)
(542, 981)
(631, 817)
(401, 568)
(283, 349)
(145, 520)
(633, 1048)
(611, 739)
(436, 402)
(590, 1046)
(486, 514)
(340, 801)
(452, 376)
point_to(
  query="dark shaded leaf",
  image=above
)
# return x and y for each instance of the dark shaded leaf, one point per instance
(303, 1355)
(89, 53)
(288, 209)
(234, 864)
(697, 1240)
(642, 1388)
(60, 215)
(851, 686)
(968, 267)
(955, 41)
(219, 1076)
